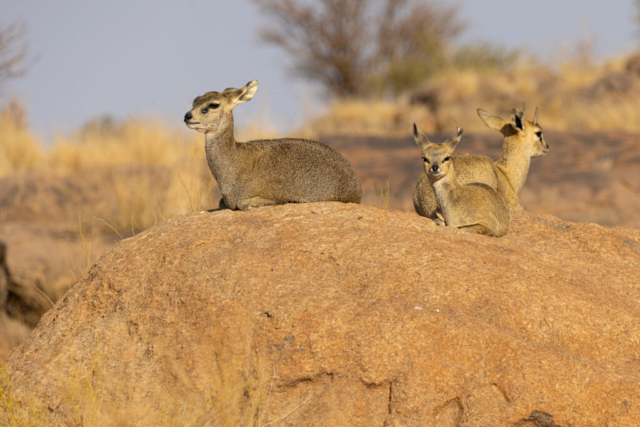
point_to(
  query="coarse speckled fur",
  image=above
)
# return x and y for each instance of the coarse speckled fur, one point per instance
(267, 172)
(474, 207)
(522, 141)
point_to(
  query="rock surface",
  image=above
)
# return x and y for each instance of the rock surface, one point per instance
(45, 250)
(332, 314)
(42, 262)
(39, 262)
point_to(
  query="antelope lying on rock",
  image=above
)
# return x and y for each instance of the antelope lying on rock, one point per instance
(267, 172)
(473, 207)
(522, 141)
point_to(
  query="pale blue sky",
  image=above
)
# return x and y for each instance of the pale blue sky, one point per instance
(152, 57)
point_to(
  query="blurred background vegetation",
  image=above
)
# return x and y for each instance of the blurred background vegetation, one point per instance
(387, 63)
(383, 65)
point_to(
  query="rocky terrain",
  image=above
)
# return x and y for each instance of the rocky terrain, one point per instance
(46, 249)
(588, 177)
(332, 314)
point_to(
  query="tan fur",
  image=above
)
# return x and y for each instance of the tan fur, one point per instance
(473, 207)
(507, 175)
(267, 172)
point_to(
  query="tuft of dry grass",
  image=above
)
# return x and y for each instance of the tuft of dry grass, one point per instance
(170, 179)
(227, 395)
(104, 143)
(381, 195)
(19, 148)
(13, 412)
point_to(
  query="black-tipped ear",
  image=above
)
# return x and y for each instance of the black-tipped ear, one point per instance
(238, 96)
(248, 91)
(453, 140)
(517, 119)
(420, 138)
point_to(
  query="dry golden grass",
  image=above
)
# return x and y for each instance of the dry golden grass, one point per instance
(13, 412)
(227, 397)
(562, 91)
(154, 173)
(353, 116)
(133, 142)
(149, 172)
(19, 148)
(381, 195)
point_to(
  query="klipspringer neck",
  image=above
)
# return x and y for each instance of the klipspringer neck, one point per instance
(220, 148)
(514, 162)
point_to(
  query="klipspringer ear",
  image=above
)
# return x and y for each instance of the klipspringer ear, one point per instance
(491, 121)
(238, 96)
(454, 138)
(420, 138)
(517, 119)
